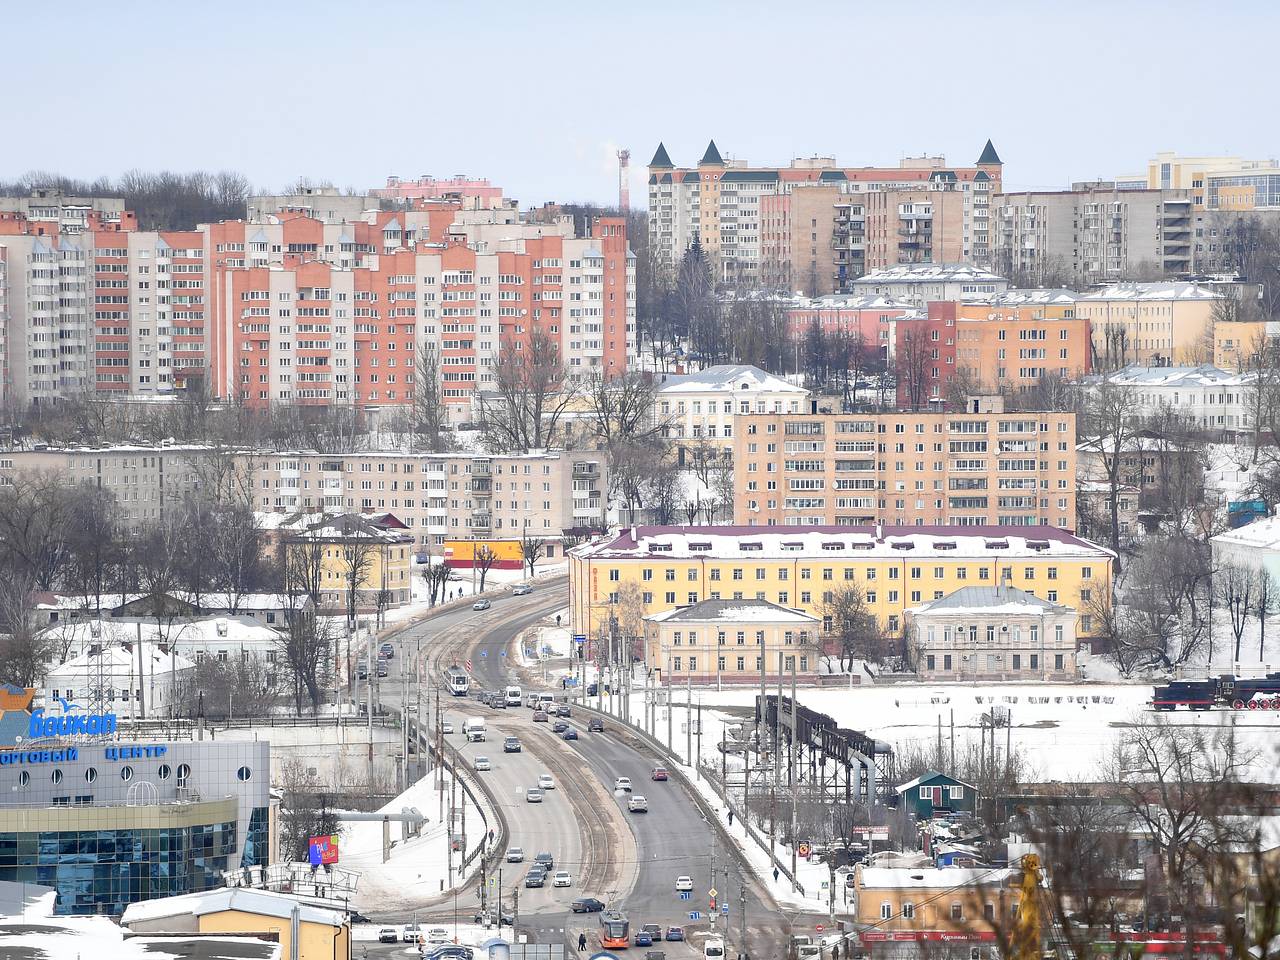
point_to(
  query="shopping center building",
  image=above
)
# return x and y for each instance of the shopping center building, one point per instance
(107, 821)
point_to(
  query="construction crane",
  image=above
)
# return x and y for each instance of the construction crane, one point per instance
(1028, 922)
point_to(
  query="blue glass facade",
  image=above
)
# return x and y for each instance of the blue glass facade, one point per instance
(103, 871)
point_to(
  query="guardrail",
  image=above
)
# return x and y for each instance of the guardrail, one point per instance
(674, 764)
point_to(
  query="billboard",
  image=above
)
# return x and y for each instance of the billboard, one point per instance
(323, 850)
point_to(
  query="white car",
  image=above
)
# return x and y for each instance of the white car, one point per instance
(412, 933)
(515, 855)
(622, 785)
(533, 795)
(447, 726)
(683, 884)
(482, 763)
(437, 935)
(638, 804)
(547, 782)
(561, 878)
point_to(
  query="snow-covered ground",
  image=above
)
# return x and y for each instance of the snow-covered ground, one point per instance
(418, 869)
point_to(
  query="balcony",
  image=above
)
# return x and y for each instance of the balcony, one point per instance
(589, 469)
(481, 486)
(481, 468)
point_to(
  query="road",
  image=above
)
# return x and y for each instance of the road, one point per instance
(628, 860)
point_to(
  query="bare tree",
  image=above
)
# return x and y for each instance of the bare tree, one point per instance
(483, 558)
(531, 550)
(623, 409)
(428, 414)
(244, 684)
(1266, 604)
(848, 620)
(913, 366)
(36, 512)
(304, 567)
(532, 394)
(24, 649)
(1110, 417)
(1236, 587)
(662, 494)
(306, 644)
(303, 811)
(436, 573)
(357, 558)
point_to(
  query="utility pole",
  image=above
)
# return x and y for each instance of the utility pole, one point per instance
(742, 919)
(696, 774)
(711, 885)
(773, 780)
(688, 721)
(669, 703)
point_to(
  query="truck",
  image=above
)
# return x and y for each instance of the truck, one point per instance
(473, 727)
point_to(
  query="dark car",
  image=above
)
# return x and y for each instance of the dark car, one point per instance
(539, 717)
(595, 726)
(535, 878)
(586, 905)
(563, 710)
(559, 727)
(654, 930)
(643, 939)
(382, 668)
(387, 650)
(511, 745)
(362, 671)
(570, 734)
(503, 918)
(675, 933)
(496, 701)
(545, 860)
(451, 951)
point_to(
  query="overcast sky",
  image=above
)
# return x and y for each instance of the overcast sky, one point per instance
(538, 97)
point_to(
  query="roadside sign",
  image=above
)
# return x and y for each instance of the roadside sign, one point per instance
(819, 928)
(802, 849)
(695, 915)
(504, 653)
(712, 893)
(579, 638)
(483, 654)
(686, 895)
(468, 666)
(724, 908)
(824, 884)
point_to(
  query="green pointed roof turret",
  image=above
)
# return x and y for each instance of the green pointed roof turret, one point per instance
(660, 158)
(712, 157)
(989, 156)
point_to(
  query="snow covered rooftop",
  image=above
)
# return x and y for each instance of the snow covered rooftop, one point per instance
(207, 632)
(845, 301)
(1034, 296)
(1204, 375)
(929, 775)
(832, 542)
(726, 378)
(928, 273)
(1261, 534)
(733, 611)
(1002, 599)
(264, 903)
(115, 658)
(899, 878)
(1158, 290)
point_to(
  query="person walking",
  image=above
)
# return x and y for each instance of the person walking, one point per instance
(582, 941)
(731, 817)
(775, 874)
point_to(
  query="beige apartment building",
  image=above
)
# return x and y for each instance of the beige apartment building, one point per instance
(146, 481)
(1169, 321)
(921, 468)
(442, 496)
(732, 642)
(438, 496)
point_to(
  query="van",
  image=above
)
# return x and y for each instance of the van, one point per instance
(512, 696)
(473, 727)
(713, 948)
(546, 702)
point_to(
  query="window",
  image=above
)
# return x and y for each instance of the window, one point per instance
(955, 793)
(126, 773)
(243, 774)
(957, 911)
(908, 911)
(886, 911)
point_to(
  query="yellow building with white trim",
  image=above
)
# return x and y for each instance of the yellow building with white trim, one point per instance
(897, 567)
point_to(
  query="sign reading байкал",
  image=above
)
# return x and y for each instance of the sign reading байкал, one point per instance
(70, 725)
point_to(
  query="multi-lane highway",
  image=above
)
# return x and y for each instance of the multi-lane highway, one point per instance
(630, 861)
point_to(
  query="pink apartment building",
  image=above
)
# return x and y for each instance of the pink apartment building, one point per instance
(432, 188)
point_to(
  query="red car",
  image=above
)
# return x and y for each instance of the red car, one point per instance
(659, 773)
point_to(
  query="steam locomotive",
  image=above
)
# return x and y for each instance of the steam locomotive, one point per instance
(1239, 693)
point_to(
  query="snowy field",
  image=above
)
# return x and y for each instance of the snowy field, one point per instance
(419, 867)
(1064, 731)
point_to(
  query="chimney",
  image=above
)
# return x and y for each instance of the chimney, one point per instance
(880, 532)
(633, 534)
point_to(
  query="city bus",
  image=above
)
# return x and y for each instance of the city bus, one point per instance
(458, 681)
(614, 931)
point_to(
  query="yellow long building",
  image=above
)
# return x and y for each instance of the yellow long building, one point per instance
(897, 567)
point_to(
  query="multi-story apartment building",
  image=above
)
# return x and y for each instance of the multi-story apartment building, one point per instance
(1204, 396)
(316, 298)
(1218, 183)
(1093, 233)
(869, 319)
(816, 226)
(442, 496)
(919, 283)
(1009, 344)
(698, 410)
(319, 313)
(437, 496)
(438, 188)
(148, 482)
(923, 468)
(895, 568)
(1149, 323)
